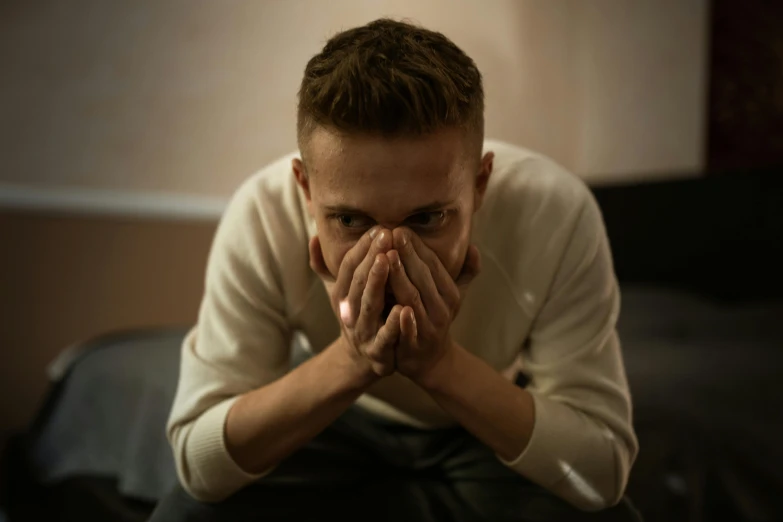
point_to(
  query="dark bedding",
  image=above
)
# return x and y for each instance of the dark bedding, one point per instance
(709, 417)
(703, 377)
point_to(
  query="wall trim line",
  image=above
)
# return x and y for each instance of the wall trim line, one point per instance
(122, 203)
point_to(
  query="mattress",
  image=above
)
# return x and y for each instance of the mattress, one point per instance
(703, 376)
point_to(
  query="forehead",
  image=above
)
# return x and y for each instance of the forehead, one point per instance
(394, 174)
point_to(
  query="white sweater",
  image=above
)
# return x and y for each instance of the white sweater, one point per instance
(546, 300)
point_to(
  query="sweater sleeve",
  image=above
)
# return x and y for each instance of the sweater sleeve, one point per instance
(583, 443)
(240, 342)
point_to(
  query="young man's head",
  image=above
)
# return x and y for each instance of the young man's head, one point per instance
(391, 127)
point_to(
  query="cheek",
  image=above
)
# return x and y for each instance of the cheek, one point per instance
(334, 250)
(452, 248)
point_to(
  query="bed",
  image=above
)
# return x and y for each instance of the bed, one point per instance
(703, 347)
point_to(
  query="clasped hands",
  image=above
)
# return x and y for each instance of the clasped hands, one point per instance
(387, 266)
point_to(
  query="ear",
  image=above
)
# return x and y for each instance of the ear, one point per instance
(485, 171)
(301, 176)
(303, 181)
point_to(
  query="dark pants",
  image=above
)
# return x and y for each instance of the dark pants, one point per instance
(365, 468)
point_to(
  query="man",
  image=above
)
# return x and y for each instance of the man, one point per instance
(425, 267)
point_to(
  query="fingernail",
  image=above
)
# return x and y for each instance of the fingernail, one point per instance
(380, 238)
(374, 232)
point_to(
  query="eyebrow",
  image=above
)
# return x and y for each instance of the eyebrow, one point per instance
(346, 209)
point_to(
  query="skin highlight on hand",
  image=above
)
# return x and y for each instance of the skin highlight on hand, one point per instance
(414, 337)
(357, 298)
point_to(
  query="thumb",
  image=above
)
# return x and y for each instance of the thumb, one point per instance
(317, 262)
(472, 266)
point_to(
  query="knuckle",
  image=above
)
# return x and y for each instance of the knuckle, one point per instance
(370, 352)
(385, 342)
(415, 297)
(441, 316)
(351, 260)
(444, 319)
(356, 256)
(407, 245)
(375, 352)
(452, 307)
(360, 280)
(432, 266)
(367, 307)
(360, 339)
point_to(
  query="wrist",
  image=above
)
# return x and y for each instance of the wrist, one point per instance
(441, 373)
(355, 373)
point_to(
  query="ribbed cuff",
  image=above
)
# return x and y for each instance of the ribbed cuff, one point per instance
(552, 444)
(216, 475)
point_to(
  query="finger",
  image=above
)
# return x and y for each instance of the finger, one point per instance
(408, 330)
(351, 261)
(317, 262)
(420, 275)
(447, 288)
(380, 244)
(389, 333)
(387, 338)
(404, 290)
(372, 300)
(471, 267)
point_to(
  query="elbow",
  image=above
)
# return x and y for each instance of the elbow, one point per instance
(205, 469)
(584, 497)
(600, 485)
(203, 493)
(198, 487)
(208, 488)
(599, 502)
(190, 481)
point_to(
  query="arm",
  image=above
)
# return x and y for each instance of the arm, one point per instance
(241, 342)
(496, 411)
(571, 431)
(237, 413)
(268, 424)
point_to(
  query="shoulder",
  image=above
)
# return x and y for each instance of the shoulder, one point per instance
(530, 212)
(266, 218)
(266, 192)
(267, 202)
(529, 183)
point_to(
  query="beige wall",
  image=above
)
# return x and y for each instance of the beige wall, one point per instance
(65, 279)
(643, 93)
(191, 96)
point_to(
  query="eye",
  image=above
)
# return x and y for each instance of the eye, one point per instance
(353, 221)
(428, 219)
